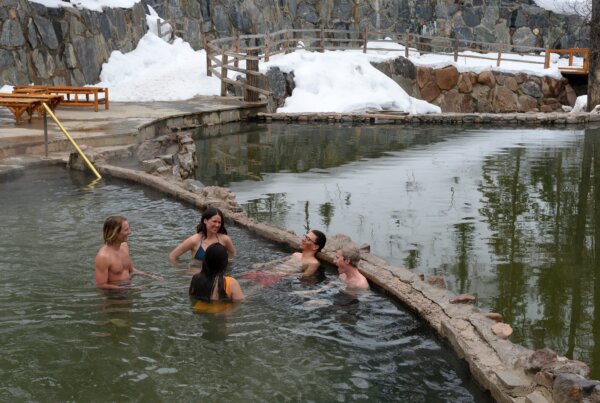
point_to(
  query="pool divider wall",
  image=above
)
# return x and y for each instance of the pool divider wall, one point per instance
(498, 365)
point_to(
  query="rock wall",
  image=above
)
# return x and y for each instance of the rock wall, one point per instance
(68, 45)
(488, 91)
(62, 46)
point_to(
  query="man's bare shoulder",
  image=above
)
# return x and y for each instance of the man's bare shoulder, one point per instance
(310, 260)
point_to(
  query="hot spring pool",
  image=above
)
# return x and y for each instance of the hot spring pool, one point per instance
(62, 340)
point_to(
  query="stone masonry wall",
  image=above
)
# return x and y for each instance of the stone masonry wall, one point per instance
(68, 45)
(488, 91)
(62, 46)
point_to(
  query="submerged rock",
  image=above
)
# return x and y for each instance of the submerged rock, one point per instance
(463, 299)
(502, 330)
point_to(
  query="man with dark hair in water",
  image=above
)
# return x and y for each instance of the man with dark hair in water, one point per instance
(113, 263)
(311, 244)
(303, 262)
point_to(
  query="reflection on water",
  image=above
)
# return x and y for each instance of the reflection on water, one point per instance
(62, 340)
(511, 216)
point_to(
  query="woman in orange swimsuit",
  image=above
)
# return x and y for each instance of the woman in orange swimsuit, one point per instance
(211, 230)
(211, 288)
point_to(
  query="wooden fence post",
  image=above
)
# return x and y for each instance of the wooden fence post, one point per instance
(322, 41)
(455, 50)
(570, 57)
(236, 61)
(251, 79)
(208, 60)
(547, 59)
(267, 45)
(365, 39)
(499, 57)
(406, 44)
(223, 73)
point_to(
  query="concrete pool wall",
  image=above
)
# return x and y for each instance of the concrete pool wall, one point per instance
(511, 373)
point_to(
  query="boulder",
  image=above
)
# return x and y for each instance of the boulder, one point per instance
(502, 330)
(152, 165)
(486, 78)
(423, 76)
(539, 359)
(463, 299)
(464, 84)
(437, 281)
(526, 103)
(550, 87)
(503, 99)
(532, 89)
(446, 78)
(494, 316)
(430, 92)
(453, 101)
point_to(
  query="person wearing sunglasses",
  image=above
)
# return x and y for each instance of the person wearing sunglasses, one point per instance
(303, 262)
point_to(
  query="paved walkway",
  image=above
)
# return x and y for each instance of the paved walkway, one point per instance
(117, 125)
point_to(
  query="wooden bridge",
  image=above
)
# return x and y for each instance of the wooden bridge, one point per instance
(242, 53)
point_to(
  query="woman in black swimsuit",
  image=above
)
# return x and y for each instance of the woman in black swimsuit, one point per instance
(210, 230)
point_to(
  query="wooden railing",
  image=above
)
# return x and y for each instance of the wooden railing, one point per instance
(584, 53)
(242, 53)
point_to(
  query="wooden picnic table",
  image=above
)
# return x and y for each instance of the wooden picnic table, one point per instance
(51, 100)
(72, 95)
(18, 106)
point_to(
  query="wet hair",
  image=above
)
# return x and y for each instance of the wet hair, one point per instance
(112, 227)
(320, 239)
(351, 253)
(213, 273)
(207, 215)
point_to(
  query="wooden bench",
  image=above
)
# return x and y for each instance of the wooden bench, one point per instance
(18, 106)
(72, 96)
(51, 100)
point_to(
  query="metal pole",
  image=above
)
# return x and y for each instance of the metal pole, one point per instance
(45, 133)
(87, 161)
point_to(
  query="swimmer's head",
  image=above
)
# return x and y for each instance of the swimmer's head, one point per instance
(351, 253)
(112, 228)
(320, 239)
(215, 260)
(207, 216)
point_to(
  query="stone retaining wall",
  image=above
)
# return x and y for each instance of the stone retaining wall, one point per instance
(488, 91)
(68, 45)
(513, 119)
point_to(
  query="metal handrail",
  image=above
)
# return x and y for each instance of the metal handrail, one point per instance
(81, 153)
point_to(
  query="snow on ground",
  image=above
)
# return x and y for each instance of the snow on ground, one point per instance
(95, 5)
(569, 7)
(342, 82)
(158, 71)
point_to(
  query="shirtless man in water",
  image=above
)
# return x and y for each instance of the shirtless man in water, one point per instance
(113, 264)
(311, 244)
(347, 259)
(303, 262)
